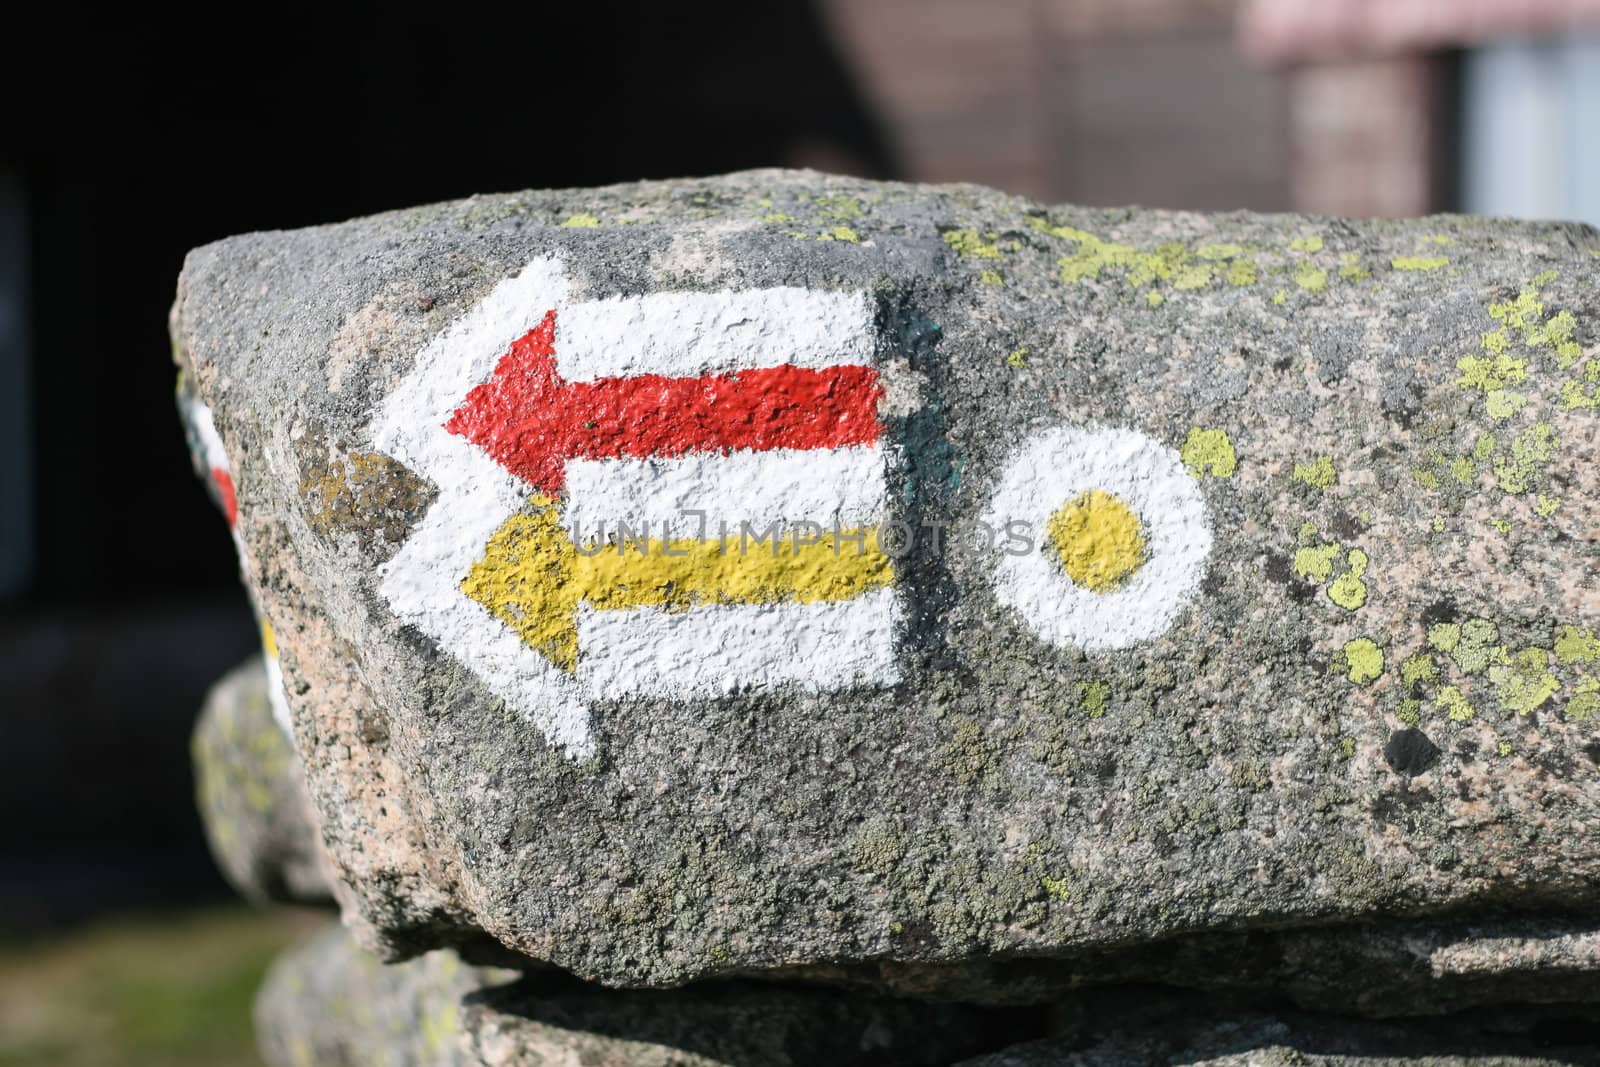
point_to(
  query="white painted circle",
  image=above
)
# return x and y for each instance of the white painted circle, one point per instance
(1057, 467)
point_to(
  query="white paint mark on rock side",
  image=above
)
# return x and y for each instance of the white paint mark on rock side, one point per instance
(1058, 466)
(724, 648)
(684, 335)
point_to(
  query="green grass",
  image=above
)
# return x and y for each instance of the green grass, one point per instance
(173, 991)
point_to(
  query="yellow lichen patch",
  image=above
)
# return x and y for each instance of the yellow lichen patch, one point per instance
(1348, 590)
(1319, 474)
(1525, 683)
(1493, 373)
(1503, 403)
(1585, 702)
(1574, 397)
(1363, 660)
(1418, 262)
(991, 277)
(1575, 645)
(968, 245)
(269, 638)
(1472, 644)
(1351, 270)
(1017, 358)
(1092, 698)
(1306, 244)
(1243, 272)
(1418, 668)
(776, 217)
(1315, 563)
(1280, 297)
(532, 577)
(1221, 251)
(581, 222)
(1154, 298)
(1451, 701)
(838, 207)
(845, 233)
(1530, 451)
(1310, 277)
(1098, 539)
(1209, 451)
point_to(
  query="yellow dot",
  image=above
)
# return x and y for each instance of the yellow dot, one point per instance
(1098, 539)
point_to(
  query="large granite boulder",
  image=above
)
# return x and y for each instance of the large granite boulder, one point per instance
(1091, 579)
(252, 796)
(328, 1003)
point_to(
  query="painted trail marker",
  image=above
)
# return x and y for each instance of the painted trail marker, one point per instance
(753, 415)
(205, 444)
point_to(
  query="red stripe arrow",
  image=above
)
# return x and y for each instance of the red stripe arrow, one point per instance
(531, 420)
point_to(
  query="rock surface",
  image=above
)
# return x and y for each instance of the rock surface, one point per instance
(252, 795)
(329, 1003)
(1296, 627)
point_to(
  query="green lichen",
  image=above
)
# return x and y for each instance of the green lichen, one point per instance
(1503, 404)
(1018, 358)
(1154, 298)
(1454, 704)
(1315, 563)
(1418, 668)
(1310, 277)
(1242, 272)
(1056, 888)
(1221, 251)
(1092, 698)
(839, 208)
(1585, 702)
(1574, 645)
(1419, 262)
(1306, 244)
(1209, 451)
(1546, 505)
(777, 217)
(1351, 270)
(1409, 711)
(991, 277)
(845, 233)
(1531, 450)
(1319, 474)
(1472, 645)
(1348, 590)
(1280, 297)
(1491, 374)
(968, 245)
(1525, 683)
(581, 222)
(1363, 660)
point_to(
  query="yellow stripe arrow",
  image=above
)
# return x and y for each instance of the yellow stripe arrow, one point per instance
(533, 577)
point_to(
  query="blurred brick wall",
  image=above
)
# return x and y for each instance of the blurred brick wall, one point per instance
(1147, 102)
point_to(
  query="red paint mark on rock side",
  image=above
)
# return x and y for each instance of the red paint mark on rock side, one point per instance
(531, 420)
(225, 495)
